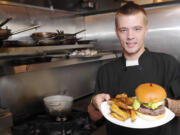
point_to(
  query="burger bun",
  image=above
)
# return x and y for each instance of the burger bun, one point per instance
(150, 92)
(150, 117)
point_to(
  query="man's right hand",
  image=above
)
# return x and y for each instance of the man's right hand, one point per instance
(95, 114)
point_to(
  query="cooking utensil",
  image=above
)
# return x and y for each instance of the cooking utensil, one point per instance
(53, 38)
(46, 42)
(79, 32)
(25, 29)
(6, 21)
(58, 105)
(43, 35)
(6, 33)
(18, 43)
(62, 35)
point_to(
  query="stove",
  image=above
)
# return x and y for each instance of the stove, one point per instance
(76, 123)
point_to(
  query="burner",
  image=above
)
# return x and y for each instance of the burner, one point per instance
(77, 123)
(61, 118)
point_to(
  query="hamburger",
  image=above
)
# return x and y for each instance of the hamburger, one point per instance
(149, 103)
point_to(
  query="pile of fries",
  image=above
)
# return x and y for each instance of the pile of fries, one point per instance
(122, 107)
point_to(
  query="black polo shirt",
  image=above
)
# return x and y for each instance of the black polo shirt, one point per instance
(159, 68)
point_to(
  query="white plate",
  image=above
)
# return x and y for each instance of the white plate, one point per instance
(138, 123)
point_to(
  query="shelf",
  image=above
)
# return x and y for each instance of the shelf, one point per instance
(61, 62)
(38, 50)
(57, 55)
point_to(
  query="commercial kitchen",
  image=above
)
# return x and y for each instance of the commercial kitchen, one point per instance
(48, 51)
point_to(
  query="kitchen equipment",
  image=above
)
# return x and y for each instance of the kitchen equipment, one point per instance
(43, 35)
(25, 29)
(62, 35)
(18, 43)
(78, 123)
(58, 105)
(53, 38)
(6, 21)
(46, 42)
(67, 38)
(6, 33)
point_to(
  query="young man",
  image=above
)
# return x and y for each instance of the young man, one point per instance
(137, 65)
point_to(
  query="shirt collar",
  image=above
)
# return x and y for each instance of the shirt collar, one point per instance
(123, 60)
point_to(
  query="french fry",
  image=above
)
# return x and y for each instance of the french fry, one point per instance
(128, 113)
(120, 112)
(130, 101)
(123, 105)
(115, 100)
(115, 115)
(124, 95)
(124, 98)
(121, 97)
(133, 115)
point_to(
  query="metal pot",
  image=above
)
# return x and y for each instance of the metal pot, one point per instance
(46, 42)
(43, 35)
(18, 43)
(58, 105)
(6, 33)
(4, 22)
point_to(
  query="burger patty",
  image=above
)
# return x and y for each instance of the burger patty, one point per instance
(158, 111)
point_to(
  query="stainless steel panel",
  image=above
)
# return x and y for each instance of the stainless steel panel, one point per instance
(17, 13)
(101, 28)
(50, 20)
(163, 35)
(23, 93)
(164, 32)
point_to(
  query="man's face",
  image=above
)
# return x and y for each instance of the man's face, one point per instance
(131, 30)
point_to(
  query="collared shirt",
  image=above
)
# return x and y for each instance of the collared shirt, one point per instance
(132, 63)
(115, 77)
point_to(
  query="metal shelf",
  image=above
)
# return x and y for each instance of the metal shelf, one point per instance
(58, 58)
(61, 62)
(39, 50)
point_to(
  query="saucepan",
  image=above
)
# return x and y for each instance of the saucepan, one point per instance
(58, 105)
(43, 35)
(6, 33)
(4, 22)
